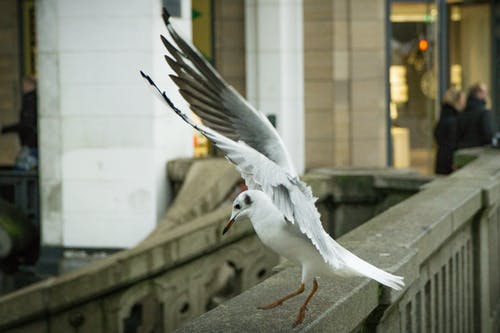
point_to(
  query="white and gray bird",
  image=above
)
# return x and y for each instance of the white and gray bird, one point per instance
(279, 205)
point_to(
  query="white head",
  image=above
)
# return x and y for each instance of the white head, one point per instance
(244, 205)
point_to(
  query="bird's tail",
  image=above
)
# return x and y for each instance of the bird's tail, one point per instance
(361, 267)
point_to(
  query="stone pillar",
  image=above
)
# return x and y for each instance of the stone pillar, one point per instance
(229, 40)
(321, 114)
(275, 78)
(367, 73)
(104, 137)
(345, 82)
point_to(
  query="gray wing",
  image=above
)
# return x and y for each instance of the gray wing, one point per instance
(219, 105)
(292, 197)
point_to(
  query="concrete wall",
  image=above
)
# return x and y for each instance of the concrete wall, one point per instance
(344, 68)
(104, 137)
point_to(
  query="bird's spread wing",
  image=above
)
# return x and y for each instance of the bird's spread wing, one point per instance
(292, 197)
(219, 105)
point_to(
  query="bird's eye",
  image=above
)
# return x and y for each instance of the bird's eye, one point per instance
(237, 206)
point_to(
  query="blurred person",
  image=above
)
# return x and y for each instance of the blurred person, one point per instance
(27, 127)
(446, 131)
(475, 124)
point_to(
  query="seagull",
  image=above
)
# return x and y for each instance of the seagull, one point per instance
(278, 204)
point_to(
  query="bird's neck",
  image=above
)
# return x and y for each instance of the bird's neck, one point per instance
(266, 214)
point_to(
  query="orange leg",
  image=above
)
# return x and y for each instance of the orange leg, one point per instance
(281, 300)
(303, 308)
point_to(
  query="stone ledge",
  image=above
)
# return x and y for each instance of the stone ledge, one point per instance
(484, 165)
(400, 240)
(360, 184)
(464, 156)
(240, 313)
(404, 182)
(427, 218)
(206, 182)
(121, 269)
(341, 304)
(178, 169)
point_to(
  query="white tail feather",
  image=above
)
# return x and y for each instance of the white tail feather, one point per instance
(362, 267)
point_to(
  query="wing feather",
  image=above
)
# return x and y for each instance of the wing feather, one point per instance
(183, 83)
(292, 197)
(210, 96)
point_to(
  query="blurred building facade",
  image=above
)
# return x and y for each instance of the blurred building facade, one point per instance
(347, 83)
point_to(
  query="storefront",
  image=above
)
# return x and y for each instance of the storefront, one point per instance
(435, 45)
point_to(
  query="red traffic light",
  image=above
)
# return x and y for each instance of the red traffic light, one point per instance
(423, 45)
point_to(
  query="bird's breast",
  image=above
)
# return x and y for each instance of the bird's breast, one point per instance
(269, 230)
(278, 235)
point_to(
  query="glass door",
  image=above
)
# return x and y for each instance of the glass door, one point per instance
(413, 88)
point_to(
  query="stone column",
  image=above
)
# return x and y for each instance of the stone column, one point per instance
(229, 48)
(345, 82)
(321, 114)
(104, 137)
(274, 67)
(367, 73)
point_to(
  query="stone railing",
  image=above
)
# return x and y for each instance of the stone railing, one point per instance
(445, 241)
(348, 198)
(184, 268)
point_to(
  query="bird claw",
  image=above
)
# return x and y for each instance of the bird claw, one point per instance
(300, 317)
(269, 306)
(298, 322)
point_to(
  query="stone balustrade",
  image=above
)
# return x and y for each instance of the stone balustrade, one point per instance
(440, 239)
(445, 241)
(184, 268)
(349, 197)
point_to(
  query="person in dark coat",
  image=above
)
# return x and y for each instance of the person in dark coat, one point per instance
(475, 124)
(446, 131)
(26, 128)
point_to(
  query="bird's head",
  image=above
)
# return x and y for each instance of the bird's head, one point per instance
(242, 206)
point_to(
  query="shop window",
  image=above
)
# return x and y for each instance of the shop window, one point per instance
(413, 84)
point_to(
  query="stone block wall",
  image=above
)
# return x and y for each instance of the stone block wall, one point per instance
(344, 72)
(229, 26)
(321, 134)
